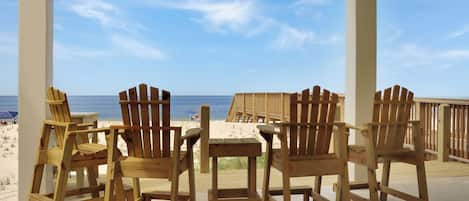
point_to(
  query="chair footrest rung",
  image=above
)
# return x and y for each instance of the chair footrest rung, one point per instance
(399, 194)
(353, 186)
(356, 197)
(39, 197)
(319, 197)
(165, 195)
(294, 190)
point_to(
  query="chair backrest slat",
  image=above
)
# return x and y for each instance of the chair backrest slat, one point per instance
(317, 115)
(293, 119)
(141, 112)
(60, 111)
(404, 116)
(322, 132)
(155, 122)
(135, 119)
(304, 119)
(126, 121)
(391, 113)
(334, 100)
(166, 124)
(313, 118)
(393, 116)
(382, 111)
(145, 121)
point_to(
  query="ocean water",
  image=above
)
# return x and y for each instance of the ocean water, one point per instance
(182, 107)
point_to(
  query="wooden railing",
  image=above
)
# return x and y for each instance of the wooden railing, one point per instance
(265, 107)
(445, 122)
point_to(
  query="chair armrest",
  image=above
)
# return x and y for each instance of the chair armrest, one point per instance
(414, 122)
(124, 127)
(268, 129)
(85, 125)
(58, 124)
(192, 135)
(339, 126)
(353, 127)
(88, 131)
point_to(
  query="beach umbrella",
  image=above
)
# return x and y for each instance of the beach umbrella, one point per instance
(8, 115)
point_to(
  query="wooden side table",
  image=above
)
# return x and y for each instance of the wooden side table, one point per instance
(244, 147)
(84, 117)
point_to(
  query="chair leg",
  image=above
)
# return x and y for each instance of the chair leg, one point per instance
(190, 164)
(93, 179)
(63, 170)
(136, 188)
(265, 184)
(267, 167)
(129, 195)
(286, 185)
(37, 178)
(317, 184)
(422, 180)
(61, 184)
(175, 184)
(121, 195)
(385, 178)
(373, 186)
(343, 191)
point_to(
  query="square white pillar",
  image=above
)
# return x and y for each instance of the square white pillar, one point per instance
(360, 76)
(35, 76)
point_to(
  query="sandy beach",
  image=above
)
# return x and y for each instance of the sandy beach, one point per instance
(9, 162)
(9, 147)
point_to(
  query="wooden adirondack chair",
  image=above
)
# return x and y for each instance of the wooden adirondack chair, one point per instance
(66, 154)
(385, 143)
(305, 144)
(150, 154)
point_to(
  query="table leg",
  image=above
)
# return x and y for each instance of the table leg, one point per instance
(80, 178)
(252, 177)
(214, 178)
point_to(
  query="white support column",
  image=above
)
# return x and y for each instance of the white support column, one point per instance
(360, 67)
(35, 75)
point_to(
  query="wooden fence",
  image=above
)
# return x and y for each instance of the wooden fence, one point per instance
(445, 122)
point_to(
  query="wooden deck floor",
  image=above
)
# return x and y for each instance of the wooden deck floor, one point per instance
(451, 178)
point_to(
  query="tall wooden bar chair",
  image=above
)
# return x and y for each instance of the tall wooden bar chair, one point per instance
(66, 154)
(305, 144)
(148, 134)
(384, 142)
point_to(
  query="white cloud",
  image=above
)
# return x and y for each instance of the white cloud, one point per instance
(8, 43)
(312, 2)
(98, 10)
(460, 33)
(112, 18)
(137, 48)
(412, 55)
(293, 38)
(240, 16)
(67, 52)
(392, 35)
(456, 54)
(245, 17)
(104, 13)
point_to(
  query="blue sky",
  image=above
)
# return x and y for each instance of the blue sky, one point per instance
(220, 47)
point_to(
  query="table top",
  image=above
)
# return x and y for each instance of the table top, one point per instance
(234, 147)
(83, 114)
(233, 141)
